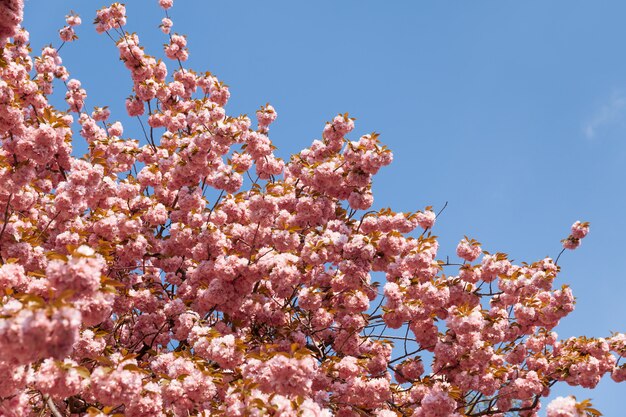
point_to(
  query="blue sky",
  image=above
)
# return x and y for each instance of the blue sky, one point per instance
(512, 112)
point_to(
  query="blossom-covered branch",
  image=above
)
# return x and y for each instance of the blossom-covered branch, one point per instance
(194, 272)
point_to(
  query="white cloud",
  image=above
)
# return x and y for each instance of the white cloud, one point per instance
(608, 114)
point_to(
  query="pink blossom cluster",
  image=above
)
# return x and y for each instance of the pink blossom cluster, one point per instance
(110, 17)
(166, 4)
(49, 333)
(338, 171)
(579, 231)
(194, 272)
(469, 250)
(568, 407)
(166, 25)
(177, 48)
(11, 14)
(266, 116)
(67, 33)
(75, 96)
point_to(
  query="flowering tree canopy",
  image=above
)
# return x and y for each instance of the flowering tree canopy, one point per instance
(195, 273)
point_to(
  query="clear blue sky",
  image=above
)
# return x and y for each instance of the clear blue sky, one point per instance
(513, 112)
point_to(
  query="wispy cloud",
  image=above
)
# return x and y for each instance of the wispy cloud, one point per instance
(610, 113)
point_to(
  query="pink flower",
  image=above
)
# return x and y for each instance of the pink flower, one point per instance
(619, 374)
(166, 4)
(101, 114)
(223, 350)
(116, 129)
(73, 19)
(282, 375)
(59, 379)
(580, 230)
(563, 407)
(468, 249)
(80, 273)
(67, 34)
(12, 276)
(134, 106)
(426, 220)
(118, 385)
(266, 116)
(166, 25)
(359, 200)
(111, 17)
(436, 403)
(41, 334)
(75, 95)
(11, 14)
(571, 243)
(177, 48)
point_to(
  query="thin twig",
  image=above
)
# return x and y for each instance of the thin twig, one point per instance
(53, 408)
(442, 209)
(557, 258)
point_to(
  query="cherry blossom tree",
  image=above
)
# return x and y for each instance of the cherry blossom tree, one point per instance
(194, 272)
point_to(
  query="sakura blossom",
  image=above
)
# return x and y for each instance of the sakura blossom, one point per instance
(563, 407)
(192, 271)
